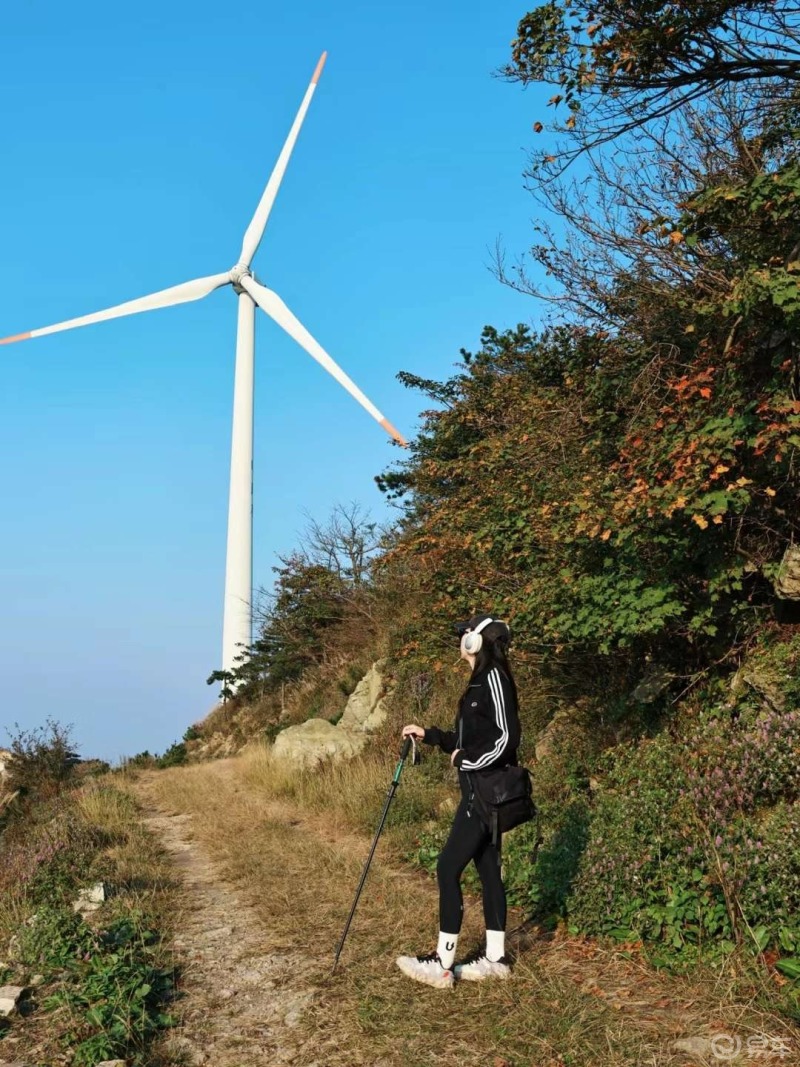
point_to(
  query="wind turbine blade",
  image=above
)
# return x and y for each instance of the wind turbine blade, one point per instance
(270, 302)
(255, 231)
(178, 294)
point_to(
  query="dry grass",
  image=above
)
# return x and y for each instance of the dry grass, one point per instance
(354, 789)
(294, 852)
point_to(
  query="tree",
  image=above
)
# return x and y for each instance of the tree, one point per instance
(345, 544)
(620, 66)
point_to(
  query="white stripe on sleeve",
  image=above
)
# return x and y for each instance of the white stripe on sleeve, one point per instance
(496, 689)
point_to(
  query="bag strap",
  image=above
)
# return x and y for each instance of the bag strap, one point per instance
(497, 837)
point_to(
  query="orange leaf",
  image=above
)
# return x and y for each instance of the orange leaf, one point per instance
(705, 392)
(701, 521)
(604, 536)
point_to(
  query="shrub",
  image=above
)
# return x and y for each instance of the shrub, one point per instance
(43, 759)
(175, 756)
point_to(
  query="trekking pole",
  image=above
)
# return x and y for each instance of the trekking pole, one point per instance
(392, 790)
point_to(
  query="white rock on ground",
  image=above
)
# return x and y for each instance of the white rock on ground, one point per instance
(90, 899)
(695, 1046)
(9, 996)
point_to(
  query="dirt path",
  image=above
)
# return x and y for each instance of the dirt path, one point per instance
(243, 994)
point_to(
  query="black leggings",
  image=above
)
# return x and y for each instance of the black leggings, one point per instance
(469, 840)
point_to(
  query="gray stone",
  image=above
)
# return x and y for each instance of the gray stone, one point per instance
(787, 584)
(9, 997)
(547, 738)
(377, 717)
(363, 702)
(695, 1046)
(656, 679)
(112, 1063)
(90, 899)
(315, 741)
(768, 688)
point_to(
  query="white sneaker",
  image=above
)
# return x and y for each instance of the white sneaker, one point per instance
(476, 967)
(427, 969)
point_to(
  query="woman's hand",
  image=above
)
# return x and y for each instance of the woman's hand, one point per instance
(453, 757)
(412, 730)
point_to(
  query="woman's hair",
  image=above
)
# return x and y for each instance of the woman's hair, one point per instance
(494, 652)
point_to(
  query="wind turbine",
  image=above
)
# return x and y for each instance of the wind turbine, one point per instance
(237, 616)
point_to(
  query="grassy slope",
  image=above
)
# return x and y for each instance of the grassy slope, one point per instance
(297, 844)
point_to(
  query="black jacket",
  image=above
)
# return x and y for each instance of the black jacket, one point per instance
(487, 724)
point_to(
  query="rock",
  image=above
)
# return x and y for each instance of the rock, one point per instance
(5, 759)
(37, 980)
(768, 688)
(656, 679)
(90, 899)
(377, 716)
(9, 997)
(695, 1046)
(316, 740)
(787, 583)
(365, 710)
(547, 738)
(112, 1063)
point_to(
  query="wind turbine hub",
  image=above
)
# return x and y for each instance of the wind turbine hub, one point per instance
(237, 273)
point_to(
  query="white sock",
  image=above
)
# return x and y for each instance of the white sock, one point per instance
(447, 949)
(495, 945)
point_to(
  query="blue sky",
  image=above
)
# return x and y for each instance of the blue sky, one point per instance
(137, 141)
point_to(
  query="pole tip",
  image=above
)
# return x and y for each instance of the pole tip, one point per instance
(318, 71)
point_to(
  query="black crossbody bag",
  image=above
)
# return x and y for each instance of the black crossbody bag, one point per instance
(503, 798)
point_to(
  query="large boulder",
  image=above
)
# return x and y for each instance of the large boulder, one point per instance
(316, 740)
(365, 710)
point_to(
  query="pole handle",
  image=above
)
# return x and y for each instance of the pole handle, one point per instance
(404, 751)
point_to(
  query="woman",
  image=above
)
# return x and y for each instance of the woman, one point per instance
(486, 734)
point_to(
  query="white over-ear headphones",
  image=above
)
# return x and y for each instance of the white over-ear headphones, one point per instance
(472, 642)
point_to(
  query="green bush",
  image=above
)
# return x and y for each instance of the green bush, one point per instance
(175, 756)
(109, 982)
(693, 840)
